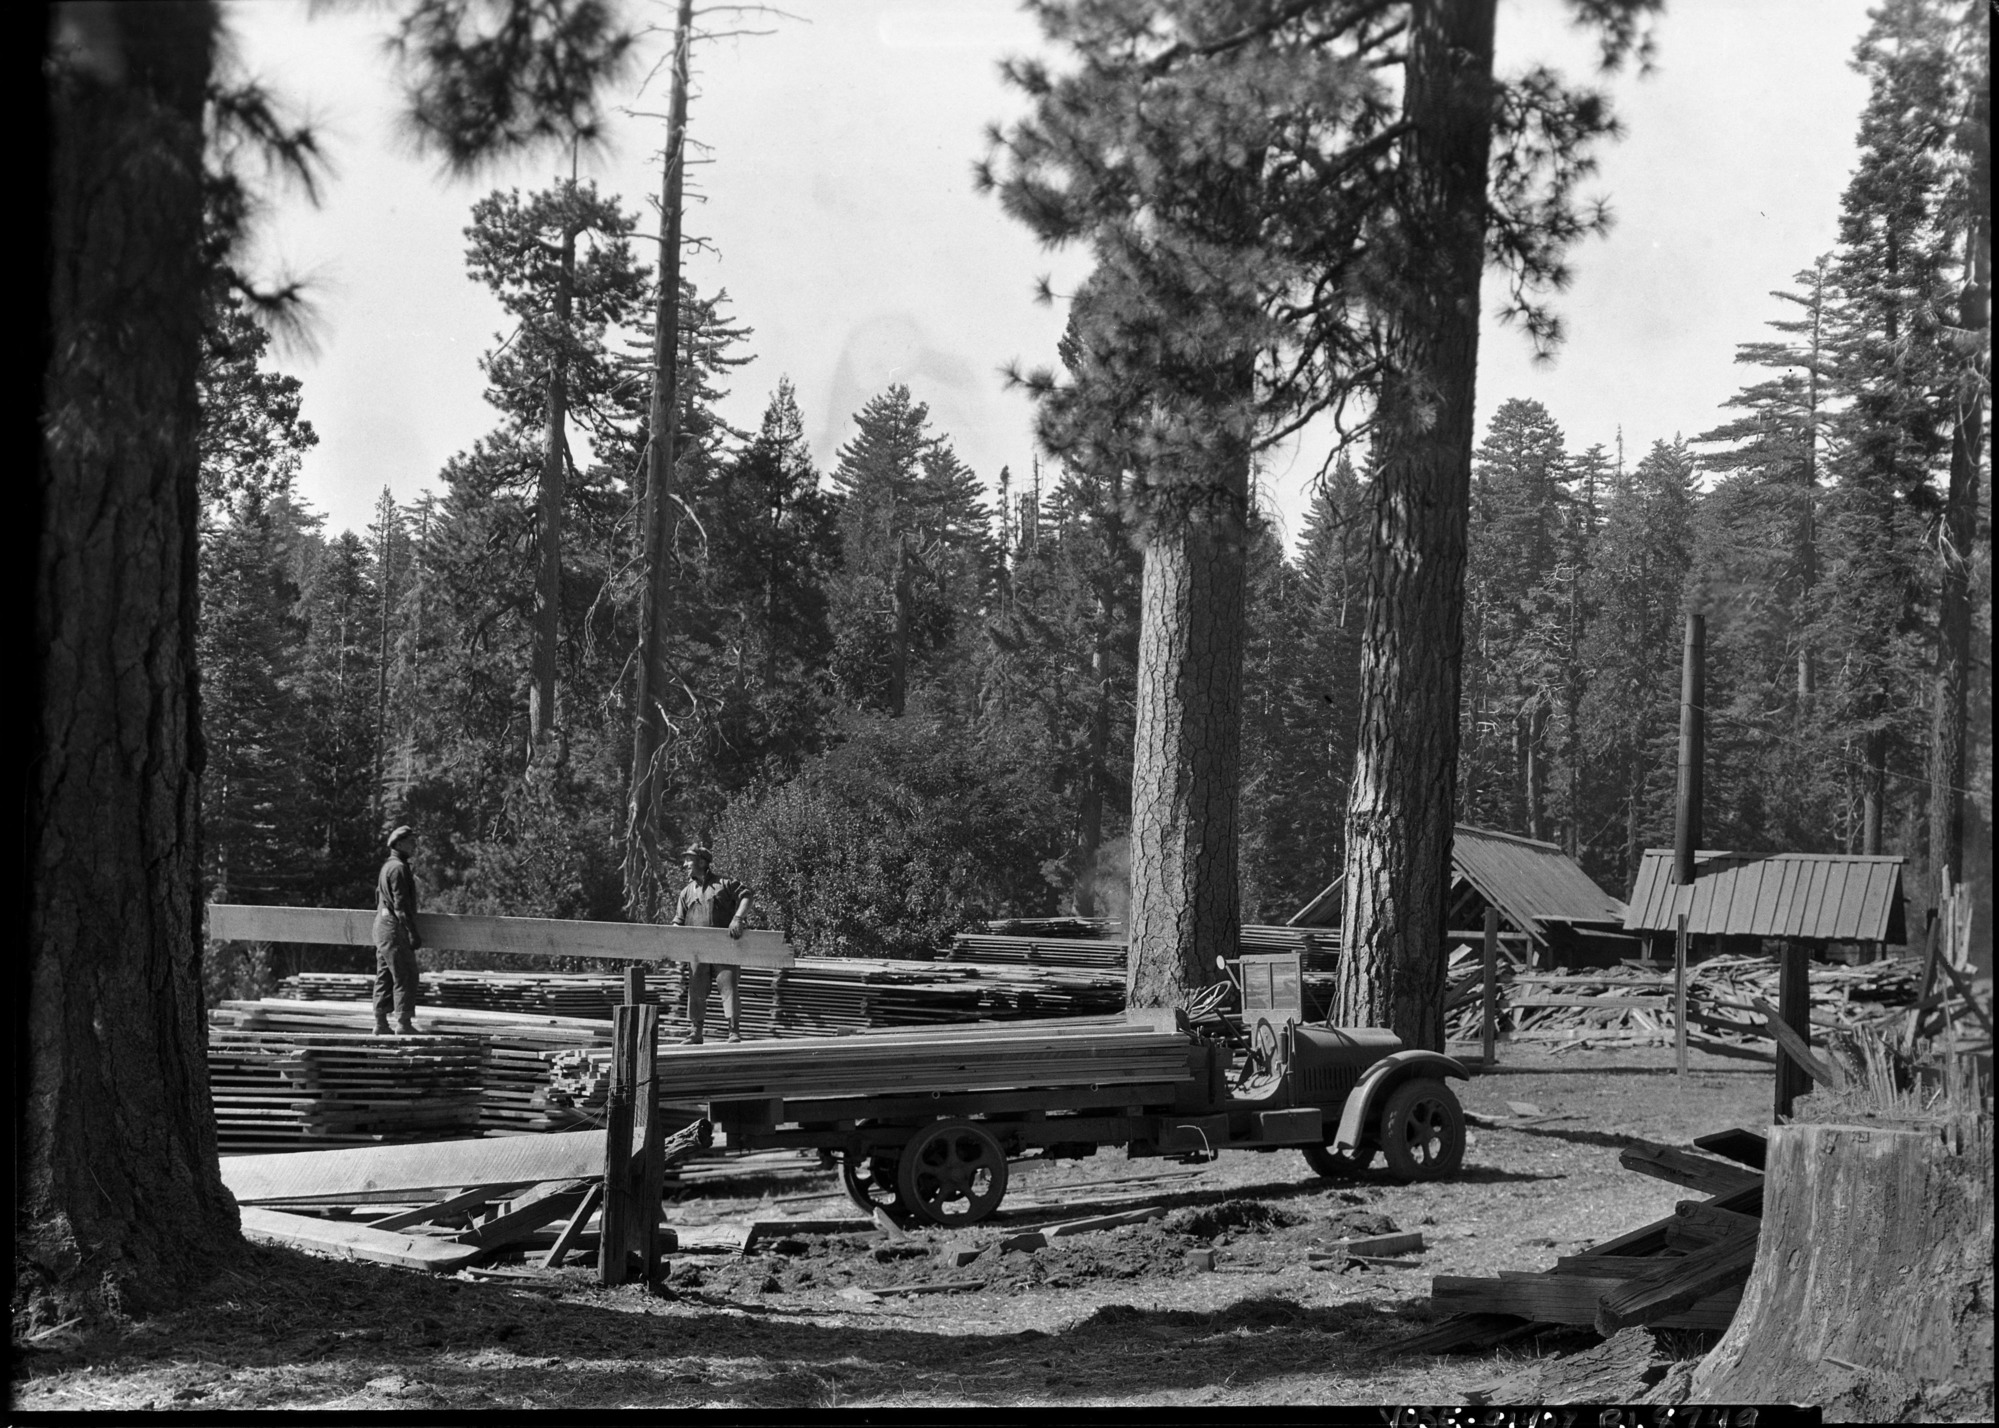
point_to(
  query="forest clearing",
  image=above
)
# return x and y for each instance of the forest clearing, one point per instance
(1111, 703)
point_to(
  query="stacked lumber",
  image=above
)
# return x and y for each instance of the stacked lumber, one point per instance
(1633, 1005)
(1097, 954)
(292, 1090)
(512, 1048)
(1091, 927)
(1685, 1271)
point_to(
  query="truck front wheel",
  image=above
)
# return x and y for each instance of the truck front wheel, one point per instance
(1337, 1164)
(1423, 1131)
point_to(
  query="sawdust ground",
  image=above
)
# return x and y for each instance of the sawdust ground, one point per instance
(1112, 1317)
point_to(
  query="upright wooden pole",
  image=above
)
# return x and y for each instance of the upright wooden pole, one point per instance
(615, 1239)
(648, 1148)
(1693, 714)
(1489, 1034)
(1680, 996)
(1794, 1006)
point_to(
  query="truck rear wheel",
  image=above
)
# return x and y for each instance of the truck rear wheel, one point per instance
(870, 1183)
(952, 1173)
(1423, 1131)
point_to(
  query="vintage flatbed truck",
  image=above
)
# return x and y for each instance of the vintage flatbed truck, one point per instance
(1342, 1097)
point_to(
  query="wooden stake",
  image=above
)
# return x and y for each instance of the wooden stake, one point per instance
(1794, 1007)
(616, 1236)
(1489, 1034)
(1680, 996)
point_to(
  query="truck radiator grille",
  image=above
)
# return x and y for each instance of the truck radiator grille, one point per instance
(1329, 1082)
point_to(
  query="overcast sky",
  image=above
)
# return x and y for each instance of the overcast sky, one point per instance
(838, 212)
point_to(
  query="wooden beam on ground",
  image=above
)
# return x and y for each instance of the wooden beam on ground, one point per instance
(457, 1204)
(1565, 1299)
(1683, 1167)
(514, 936)
(565, 1242)
(542, 1206)
(329, 1175)
(1746, 1146)
(352, 1241)
(1678, 1284)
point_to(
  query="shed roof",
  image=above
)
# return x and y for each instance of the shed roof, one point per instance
(1825, 897)
(1531, 883)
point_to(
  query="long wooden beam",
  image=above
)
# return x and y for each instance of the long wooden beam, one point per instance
(377, 1170)
(351, 1241)
(514, 936)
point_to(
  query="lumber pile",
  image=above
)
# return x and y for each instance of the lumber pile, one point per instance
(1632, 1004)
(1686, 1271)
(288, 1090)
(997, 949)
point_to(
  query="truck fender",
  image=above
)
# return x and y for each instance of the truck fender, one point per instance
(1381, 1078)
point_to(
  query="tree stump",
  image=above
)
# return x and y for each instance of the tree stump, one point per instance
(1872, 1291)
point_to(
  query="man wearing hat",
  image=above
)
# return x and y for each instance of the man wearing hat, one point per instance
(709, 901)
(396, 939)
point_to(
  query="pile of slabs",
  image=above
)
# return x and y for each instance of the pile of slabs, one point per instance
(1686, 1271)
(291, 1090)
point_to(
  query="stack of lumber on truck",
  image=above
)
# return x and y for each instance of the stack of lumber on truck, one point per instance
(1633, 1005)
(288, 1090)
(1685, 1271)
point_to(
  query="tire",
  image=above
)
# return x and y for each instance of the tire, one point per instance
(1337, 1164)
(1423, 1131)
(951, 1173)
(871, 1184)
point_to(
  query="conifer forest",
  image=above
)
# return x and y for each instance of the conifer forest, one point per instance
(899, 692)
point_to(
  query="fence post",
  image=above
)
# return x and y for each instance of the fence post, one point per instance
(1794, 1009)
(1680, 996)
(1489, 997)
(615, 1238)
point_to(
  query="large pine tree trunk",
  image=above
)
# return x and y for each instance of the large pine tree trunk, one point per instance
(1401, 806)
(119, 1201)
(1186, 759)
(1872, 1291)
(548, 533)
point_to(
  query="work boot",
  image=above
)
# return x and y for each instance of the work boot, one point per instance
(407, 1028)
(693, 1038)
(382, 1027)
(735, 1035)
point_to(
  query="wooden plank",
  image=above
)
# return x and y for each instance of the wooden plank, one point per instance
(1103, 1222)
(351, 1241)
(572, 1232)
(1380, 1245)
(514, 936)
(1565, 1299)
(329, 1175)
(457, 1204)
(1797, 1048)
(1682, 1167)
(1747, 1147)
(541, 1206)
(1677, 1285)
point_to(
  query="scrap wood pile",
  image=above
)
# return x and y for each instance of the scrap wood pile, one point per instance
(444, 1206)
(286, 1090)
(1686, 1271)
(1632, 1005)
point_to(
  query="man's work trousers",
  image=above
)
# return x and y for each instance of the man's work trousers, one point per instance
(395, 972)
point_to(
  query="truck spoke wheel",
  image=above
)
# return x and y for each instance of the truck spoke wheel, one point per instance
(1423, 1131)
(1337, 1164)
(952, 1173)
(871, 1183)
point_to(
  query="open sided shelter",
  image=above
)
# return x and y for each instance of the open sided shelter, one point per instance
(1826, 900)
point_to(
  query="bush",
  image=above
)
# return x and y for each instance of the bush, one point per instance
(907, 831)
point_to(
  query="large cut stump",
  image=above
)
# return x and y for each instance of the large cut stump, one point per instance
(1872, 1290)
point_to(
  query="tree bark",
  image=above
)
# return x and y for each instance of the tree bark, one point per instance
(548, 574)
(1400, 808)
(1186, 758)
(643, 862)
(1958, 535)
(120, 1206)
(1872, 1291)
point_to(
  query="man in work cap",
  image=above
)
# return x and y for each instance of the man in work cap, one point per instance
(709, 901)
(396, 939)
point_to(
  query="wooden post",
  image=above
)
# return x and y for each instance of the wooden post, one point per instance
(1693, 728)
(1794, 1006)
(1489, 1034)
(1680, 996)
(615, 1239)
(648, 1153)
(1931, 929)
(635, 984)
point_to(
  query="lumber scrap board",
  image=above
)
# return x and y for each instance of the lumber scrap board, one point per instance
(352, 1241)
(1683, 1167)
(1746, 1147)
(1565, 1299)
(541, 1206)
(337, 1175)
(1678, 1284)
(455, 1205)
(518, 936)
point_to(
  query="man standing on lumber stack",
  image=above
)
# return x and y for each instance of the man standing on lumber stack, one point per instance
(709, 901)
(396, 939)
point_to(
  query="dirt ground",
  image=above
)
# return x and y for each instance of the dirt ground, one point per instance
(1117, 1317)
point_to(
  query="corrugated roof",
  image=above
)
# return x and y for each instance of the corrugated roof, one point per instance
(1530, 882)
(1832, 897)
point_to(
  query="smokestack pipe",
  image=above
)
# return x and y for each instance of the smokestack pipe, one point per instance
(1693, 730)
